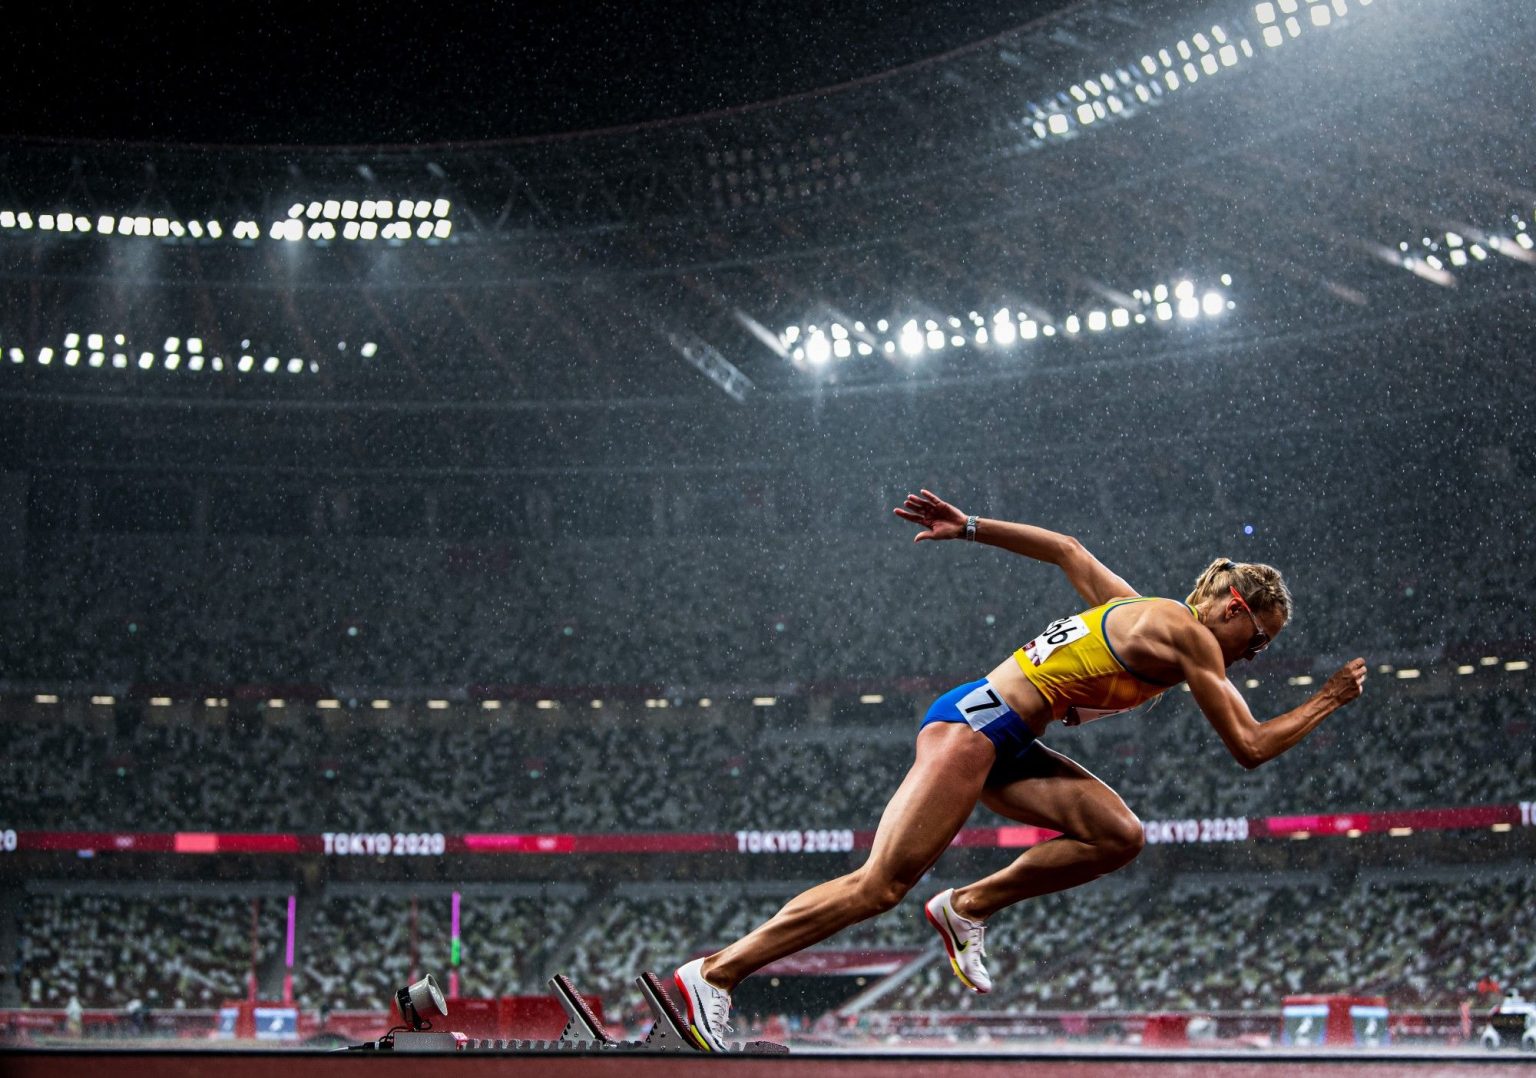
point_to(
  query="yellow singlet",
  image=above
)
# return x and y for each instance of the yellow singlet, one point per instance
(1076, 669)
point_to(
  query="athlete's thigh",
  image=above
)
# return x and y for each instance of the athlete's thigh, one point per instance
(1060, 793)
(933, 801)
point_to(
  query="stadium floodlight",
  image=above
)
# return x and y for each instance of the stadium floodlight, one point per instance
(1097, 321)
(442, 229)
(45, 356)
(1189, 308)
(72, 358)
(911, 339)
(146, 360)
(1029, 329)
(331, 209)
(441, 207)
(935, 340)
(369, 350)
(817, 349)
(1164, 311)
(1073, 324)
(1058, 124)
(1004, 333)
(1213, 303)
(1120, 317)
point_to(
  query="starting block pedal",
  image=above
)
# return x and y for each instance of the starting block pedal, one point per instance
(584, 1027)
(584, 1031)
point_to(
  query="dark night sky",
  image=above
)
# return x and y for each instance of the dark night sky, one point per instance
(264, 72)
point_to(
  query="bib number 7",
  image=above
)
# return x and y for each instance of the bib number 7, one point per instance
(1057, 634)
(981, 706)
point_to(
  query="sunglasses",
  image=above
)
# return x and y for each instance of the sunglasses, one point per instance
(1260, 639)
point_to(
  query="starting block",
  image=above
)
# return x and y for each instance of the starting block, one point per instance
(584, 1031)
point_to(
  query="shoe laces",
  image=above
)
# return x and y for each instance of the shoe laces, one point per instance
(720, 1011)
(978, 933)
(975, 933)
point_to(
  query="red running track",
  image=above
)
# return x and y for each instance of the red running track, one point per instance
(295, 1064)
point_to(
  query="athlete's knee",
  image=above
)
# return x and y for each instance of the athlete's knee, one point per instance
(1121, 839)
(879, 893)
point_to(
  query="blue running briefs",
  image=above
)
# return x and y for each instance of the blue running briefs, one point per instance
(978, 705)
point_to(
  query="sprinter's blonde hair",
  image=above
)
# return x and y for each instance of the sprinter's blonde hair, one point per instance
(1261, 586)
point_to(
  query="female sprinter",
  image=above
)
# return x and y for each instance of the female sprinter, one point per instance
(979, 743)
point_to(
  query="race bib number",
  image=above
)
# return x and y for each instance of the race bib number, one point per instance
(981, 706)
(1057, 634)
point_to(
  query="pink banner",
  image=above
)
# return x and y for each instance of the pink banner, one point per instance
(436, 844)
(1342, 823)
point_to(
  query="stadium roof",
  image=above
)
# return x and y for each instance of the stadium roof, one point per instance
(257, 73)
(1072, 173)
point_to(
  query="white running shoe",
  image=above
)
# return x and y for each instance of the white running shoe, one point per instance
(708, 1007)
(964, 940)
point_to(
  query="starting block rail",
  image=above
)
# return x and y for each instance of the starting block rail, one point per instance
(584, 1032)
